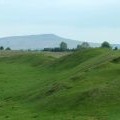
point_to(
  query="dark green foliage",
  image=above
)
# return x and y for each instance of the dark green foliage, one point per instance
(47, 49)
(78, 47)
(63, 46)
(8, 48)
(116, 48)
(84, 45)
(1, 48)
(105, 45)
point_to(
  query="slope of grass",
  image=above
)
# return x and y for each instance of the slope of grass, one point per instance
(84, 85)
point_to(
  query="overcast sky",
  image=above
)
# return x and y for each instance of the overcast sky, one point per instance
(84, 20)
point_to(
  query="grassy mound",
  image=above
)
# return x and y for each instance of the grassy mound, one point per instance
(84, 85)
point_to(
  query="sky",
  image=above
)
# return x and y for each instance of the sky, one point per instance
(83, 20)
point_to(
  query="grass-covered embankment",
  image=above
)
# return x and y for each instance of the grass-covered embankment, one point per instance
(84, 85)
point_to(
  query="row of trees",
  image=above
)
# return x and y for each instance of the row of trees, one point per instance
(62, 47)
(84, 45)
(2, 48)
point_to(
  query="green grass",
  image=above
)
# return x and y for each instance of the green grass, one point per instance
(84, 85)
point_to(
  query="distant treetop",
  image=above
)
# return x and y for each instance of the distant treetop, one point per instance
(85, 45)
(63, 46)
(105, 44)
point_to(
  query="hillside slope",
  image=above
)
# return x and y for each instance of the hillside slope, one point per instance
(84, 85)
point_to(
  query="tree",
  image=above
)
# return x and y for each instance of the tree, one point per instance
(78, 47)
(85, 45)
(105, 44)
(8, 48)
(1, 48)
(116, 48)
(63, 46)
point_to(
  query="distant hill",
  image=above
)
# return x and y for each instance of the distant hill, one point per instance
(39, 42)
(36, 41)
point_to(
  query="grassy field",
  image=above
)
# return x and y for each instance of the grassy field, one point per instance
(84, 85)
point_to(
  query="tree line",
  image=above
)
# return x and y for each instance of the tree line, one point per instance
(85, 45)
(2, 48)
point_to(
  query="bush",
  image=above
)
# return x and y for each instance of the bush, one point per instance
(105, 44)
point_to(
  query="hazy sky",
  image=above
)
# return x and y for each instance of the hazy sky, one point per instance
(84, 20)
